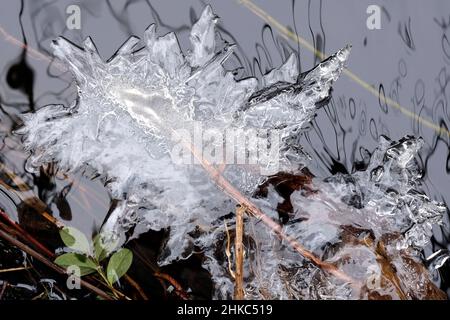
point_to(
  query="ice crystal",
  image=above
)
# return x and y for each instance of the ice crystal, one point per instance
(351, 221)
(129, 110)
(387, 193)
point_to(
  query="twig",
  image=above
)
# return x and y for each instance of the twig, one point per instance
(25, 235)
(15, 229)
(34, 271)
(174, 283)
(14, 269)
(239, 252)
(228, 251)
(136, 285)
(163, 285)
(223, 184)
(39, 296)
(251, 208)
(5, 284)
(156, 273)
(50, 264)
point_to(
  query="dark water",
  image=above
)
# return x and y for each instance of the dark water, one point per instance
(407, 60)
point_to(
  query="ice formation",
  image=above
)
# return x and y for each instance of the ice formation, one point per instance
(362, 223)
(130, 107)
(128, 118)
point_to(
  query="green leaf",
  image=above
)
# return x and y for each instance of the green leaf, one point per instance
(99, 248)
(118, 265)
(86, 264)
(75, 239)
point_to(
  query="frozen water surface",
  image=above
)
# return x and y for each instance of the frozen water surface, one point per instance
(134, 109)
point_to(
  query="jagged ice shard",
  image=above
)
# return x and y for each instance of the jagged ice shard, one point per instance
(129, 115)
(128, 108)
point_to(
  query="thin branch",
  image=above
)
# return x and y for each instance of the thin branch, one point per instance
(156, 273)
(251, 208)
(136, 286)
(2, 292)
(50, 264)
(26, 236)
(14, 269)
(239, 252)
(174, 283)
(228, 251)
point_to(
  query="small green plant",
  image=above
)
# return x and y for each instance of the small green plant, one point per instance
(91, 258)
